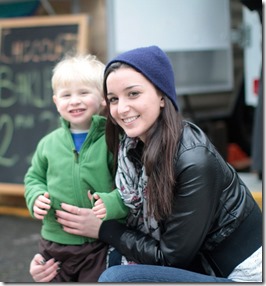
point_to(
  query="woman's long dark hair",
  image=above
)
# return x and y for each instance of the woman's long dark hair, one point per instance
(158, 155)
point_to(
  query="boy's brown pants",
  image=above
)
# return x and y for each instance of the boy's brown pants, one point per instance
(79, 263)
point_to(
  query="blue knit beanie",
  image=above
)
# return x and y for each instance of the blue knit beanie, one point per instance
(154, 64)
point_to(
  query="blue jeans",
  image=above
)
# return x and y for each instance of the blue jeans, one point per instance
(154, 273)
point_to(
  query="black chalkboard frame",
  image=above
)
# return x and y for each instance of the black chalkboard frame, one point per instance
(82, 23)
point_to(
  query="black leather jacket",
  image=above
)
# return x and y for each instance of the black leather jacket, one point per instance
(210, 203)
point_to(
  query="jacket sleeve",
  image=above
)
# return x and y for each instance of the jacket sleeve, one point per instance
(35, 178)
(115, 208)
(184, 231)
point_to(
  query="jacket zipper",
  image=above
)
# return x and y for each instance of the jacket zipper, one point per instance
(76, 156)
(76, 160)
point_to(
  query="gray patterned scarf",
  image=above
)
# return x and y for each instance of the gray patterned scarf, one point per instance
(132, 182)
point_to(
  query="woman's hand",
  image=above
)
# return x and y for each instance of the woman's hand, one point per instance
(43, 271)
(79, 221)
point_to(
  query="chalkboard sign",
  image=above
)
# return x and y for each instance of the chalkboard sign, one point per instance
(30, 47)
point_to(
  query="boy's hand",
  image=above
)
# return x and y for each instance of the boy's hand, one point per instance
(99, 208)
(41, 205)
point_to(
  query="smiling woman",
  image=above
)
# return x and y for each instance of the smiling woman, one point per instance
(165, 167)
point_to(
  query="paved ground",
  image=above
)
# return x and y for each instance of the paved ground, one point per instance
(18, 243)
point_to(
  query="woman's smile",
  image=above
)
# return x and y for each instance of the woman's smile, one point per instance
(130, 119)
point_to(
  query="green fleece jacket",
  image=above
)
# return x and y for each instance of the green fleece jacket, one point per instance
(67, 176)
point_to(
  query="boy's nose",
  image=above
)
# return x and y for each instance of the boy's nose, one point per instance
(75, 99)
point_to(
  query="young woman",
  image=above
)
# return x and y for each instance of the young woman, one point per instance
(191, 217)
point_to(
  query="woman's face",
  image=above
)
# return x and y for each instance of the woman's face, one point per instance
(135, 103)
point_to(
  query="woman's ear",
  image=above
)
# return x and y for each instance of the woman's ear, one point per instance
(162, 103)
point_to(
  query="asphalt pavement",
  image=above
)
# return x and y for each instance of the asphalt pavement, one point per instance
(18, 244)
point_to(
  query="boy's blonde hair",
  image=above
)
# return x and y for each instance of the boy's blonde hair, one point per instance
(78, 68)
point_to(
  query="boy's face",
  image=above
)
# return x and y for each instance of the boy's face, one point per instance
(77, 102)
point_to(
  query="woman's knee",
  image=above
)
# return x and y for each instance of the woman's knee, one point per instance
(111, 274)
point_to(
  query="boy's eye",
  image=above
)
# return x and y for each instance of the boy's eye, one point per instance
(65, 95)
(84, 92)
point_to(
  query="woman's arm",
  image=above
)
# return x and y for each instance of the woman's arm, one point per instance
(75, 220)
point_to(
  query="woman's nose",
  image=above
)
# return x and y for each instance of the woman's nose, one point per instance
(123, 106)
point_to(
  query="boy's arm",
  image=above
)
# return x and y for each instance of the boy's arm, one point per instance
(35, 180)
(114, 205)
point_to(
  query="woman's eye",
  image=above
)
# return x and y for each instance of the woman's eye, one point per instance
(112, 99)
(133, 93)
